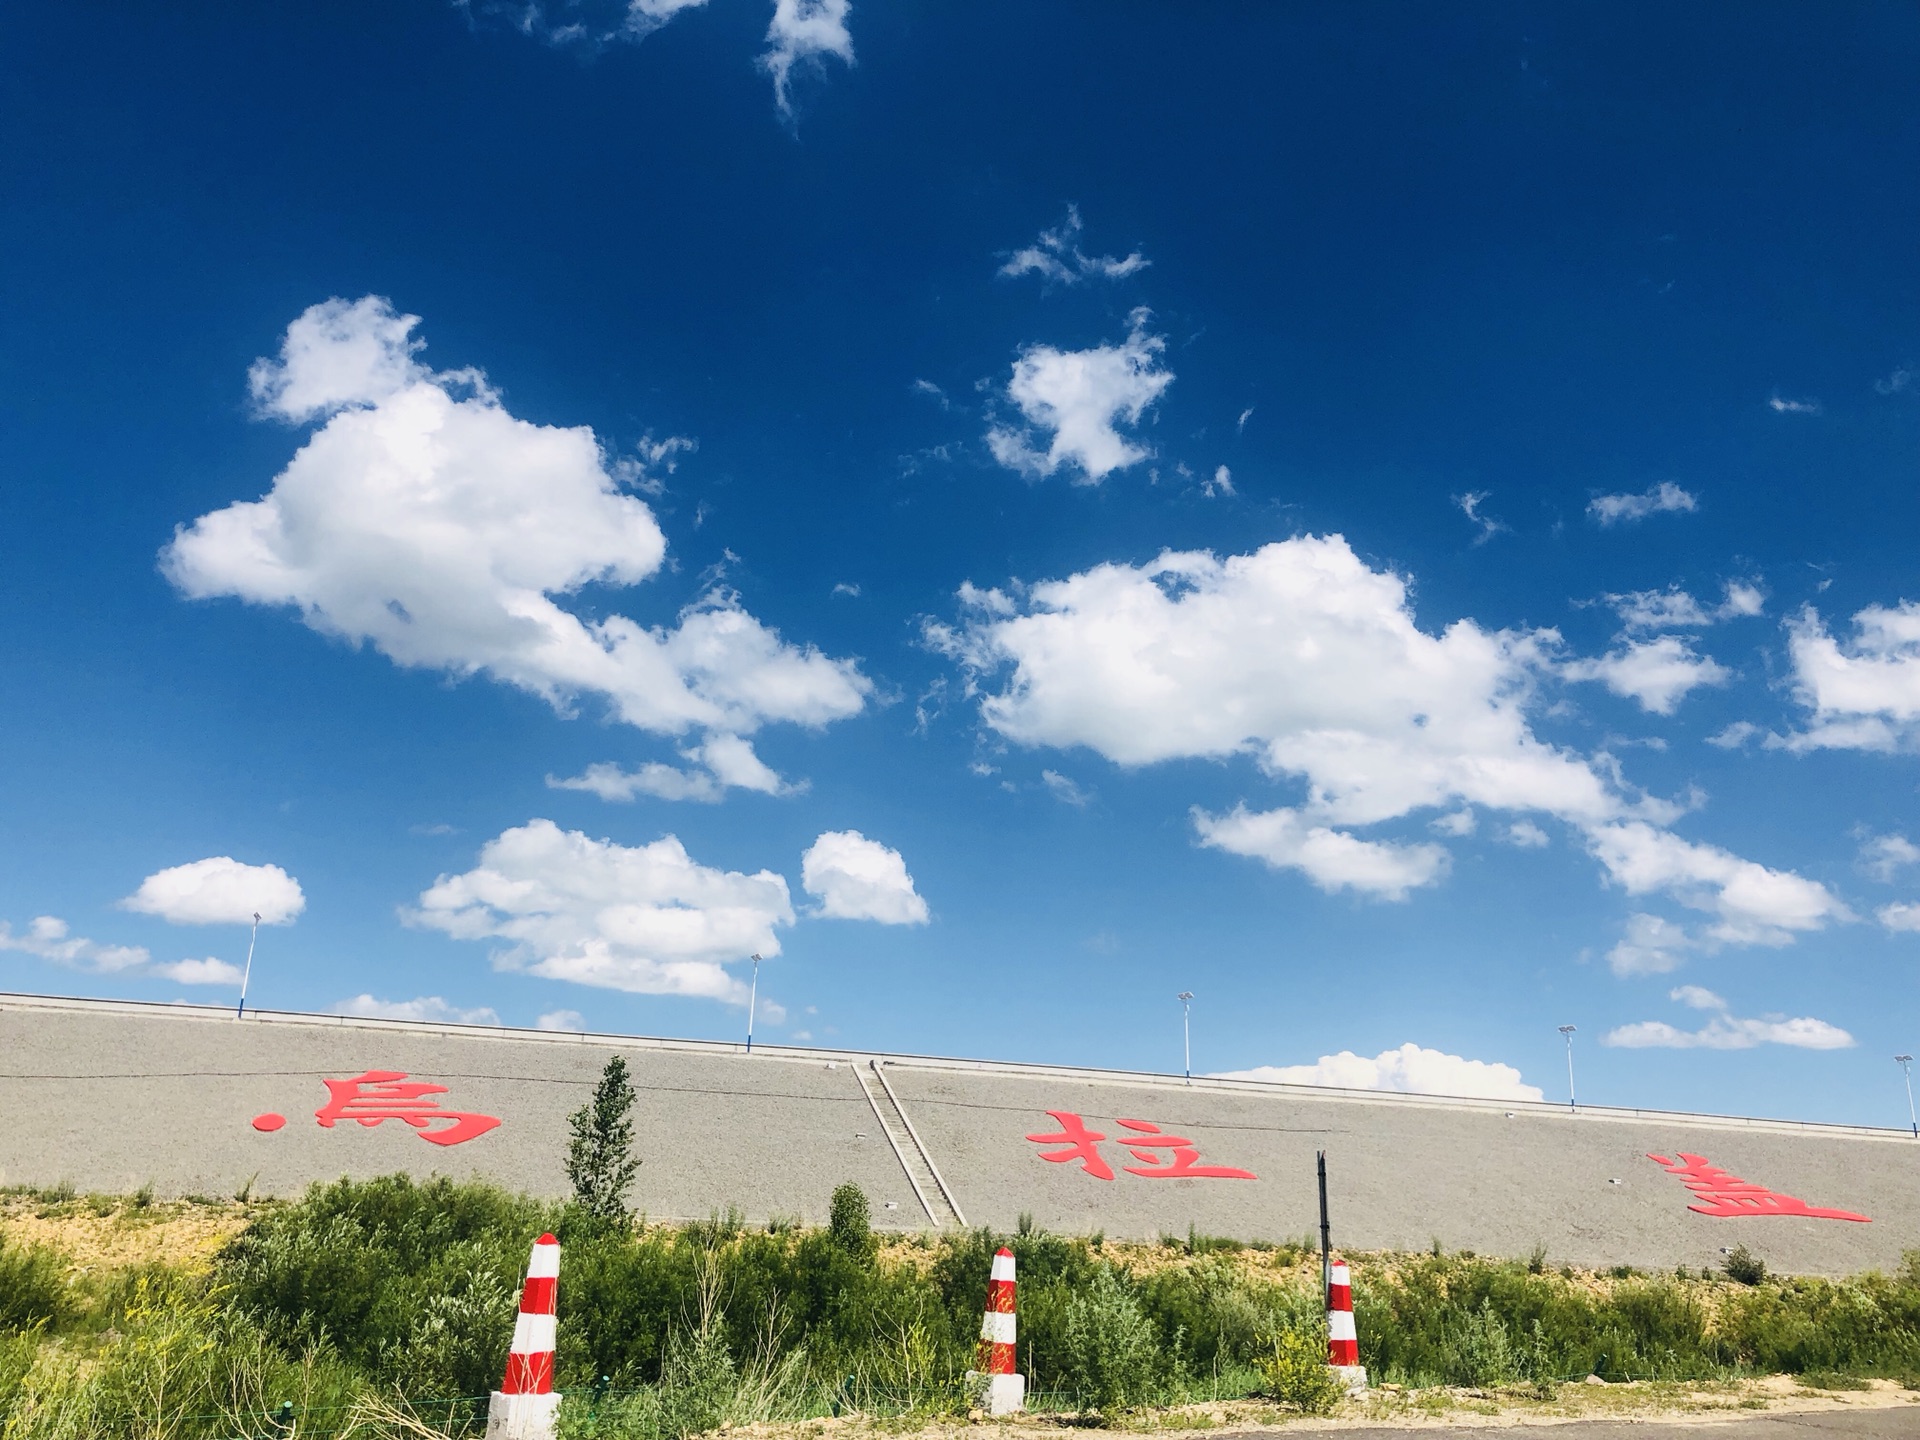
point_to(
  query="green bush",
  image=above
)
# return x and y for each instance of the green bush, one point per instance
(1744, 1266)
(1294, 1371)
(33, 1288)
(1113, 1357)
(850, 1220)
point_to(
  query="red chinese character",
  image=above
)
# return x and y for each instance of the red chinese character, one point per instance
(1082, 1144)
(384, 1099)
(1729, 1196)
(1179, 1164)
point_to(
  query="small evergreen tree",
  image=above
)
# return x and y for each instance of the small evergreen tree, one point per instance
(600, 1159)
(849, 1221)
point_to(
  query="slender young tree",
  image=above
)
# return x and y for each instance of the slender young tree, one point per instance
(600, 1159)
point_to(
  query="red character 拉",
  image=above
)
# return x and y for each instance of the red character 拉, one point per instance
(1728, 1196)
(379, 1095)
(1083, 1145)
(1180, 1164)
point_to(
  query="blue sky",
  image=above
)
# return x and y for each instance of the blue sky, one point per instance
(1399, 524)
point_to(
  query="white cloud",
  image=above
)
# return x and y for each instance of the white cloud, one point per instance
(1065, 790)
(48, 938)
(219, 891)
(1666, 496)
(1735, 735)
(1657, 673)
(1526, 835)
(1057, 256)
(563, 1021)
(855, 878)
(1726, 1031)
(1864, 694)
(1793, 407)
(804, 32)
(646, 919)
(199, 972)
(427, 1009)
(1454, 822)
(1082, 397)
(1898, 381)
(424, 518)
(589, 24)
(1902, 916)
(1652, 945)
(1305, 659)
(1220, 484)
(1753, 905)
(720, 761)
(1332, 859)
(1470, 504)
(1883, 857)
(1410, 1070)
(1674, 608)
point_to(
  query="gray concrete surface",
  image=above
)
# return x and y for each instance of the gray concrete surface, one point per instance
(110, 1096)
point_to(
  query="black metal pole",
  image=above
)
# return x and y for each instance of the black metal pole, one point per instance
(1326, 1233)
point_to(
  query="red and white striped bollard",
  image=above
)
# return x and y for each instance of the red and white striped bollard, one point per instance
(1343, 1342)
(1000, 1389)
(525, 1406)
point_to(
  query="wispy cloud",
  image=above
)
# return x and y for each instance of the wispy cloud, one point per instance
(804, 33)
(1726, 1031)
(1057, 256)
(1623, 509)
(1470, 504)
(1781, 406)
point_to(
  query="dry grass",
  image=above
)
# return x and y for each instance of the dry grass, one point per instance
(98, 1232)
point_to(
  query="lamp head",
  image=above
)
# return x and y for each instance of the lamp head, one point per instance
(1567, 1029)
(1184, 996)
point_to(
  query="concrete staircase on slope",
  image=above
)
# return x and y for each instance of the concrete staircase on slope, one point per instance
(943, 1211)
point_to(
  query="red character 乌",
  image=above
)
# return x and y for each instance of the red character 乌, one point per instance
(1180, 1164)
(378, 1095)
(1083, 1145)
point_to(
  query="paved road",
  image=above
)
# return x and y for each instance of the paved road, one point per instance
(1889, 1424)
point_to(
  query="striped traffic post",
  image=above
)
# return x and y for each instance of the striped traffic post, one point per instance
(1343, 1342)
(525, 1406)
(999, 1388)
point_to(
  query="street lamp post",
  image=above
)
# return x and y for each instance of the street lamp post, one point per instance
(240, 1014)
(1567, 1030)
(753, 1002)
(1186, 1032)
(1906, 1066)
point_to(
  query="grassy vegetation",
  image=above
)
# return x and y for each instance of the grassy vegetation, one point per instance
(367, 1303)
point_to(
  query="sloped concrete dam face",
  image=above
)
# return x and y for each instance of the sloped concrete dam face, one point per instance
(113, 1096)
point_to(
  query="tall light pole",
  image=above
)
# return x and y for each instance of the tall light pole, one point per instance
(1567, 1030)
(248, 975)
(753, 1003)
(1186, 1031)
(1906, 1065)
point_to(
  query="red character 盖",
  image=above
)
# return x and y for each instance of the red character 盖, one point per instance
(384, 1098)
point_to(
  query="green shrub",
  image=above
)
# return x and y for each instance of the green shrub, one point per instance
(850, 1220)
(600, 1159)
(1744, 1266)
(1112, 1356)
(1294, 1371)
(33, 1287)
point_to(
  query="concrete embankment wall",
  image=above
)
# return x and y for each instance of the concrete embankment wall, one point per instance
(111, 1096)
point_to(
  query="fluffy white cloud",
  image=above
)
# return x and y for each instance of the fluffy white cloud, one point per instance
(855, 878)
(1526, 835)
(48, 938)
(1666, 496)
(1726, 1031)
(1883, 857)
(1057, 256)
(200, 972)
(1332, 859)
(1653, 945)
(219, 891)
(804, 32)
(425, 519)
(1864, 694)
(566, 1022)
(643, 918)
(427, 1009)
(1753, 905)
(719, 761)
(1082, 397)
(1657, 673)
(1410, 1070)
(1675, 608)
(1309, 661)
(1899, 916)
